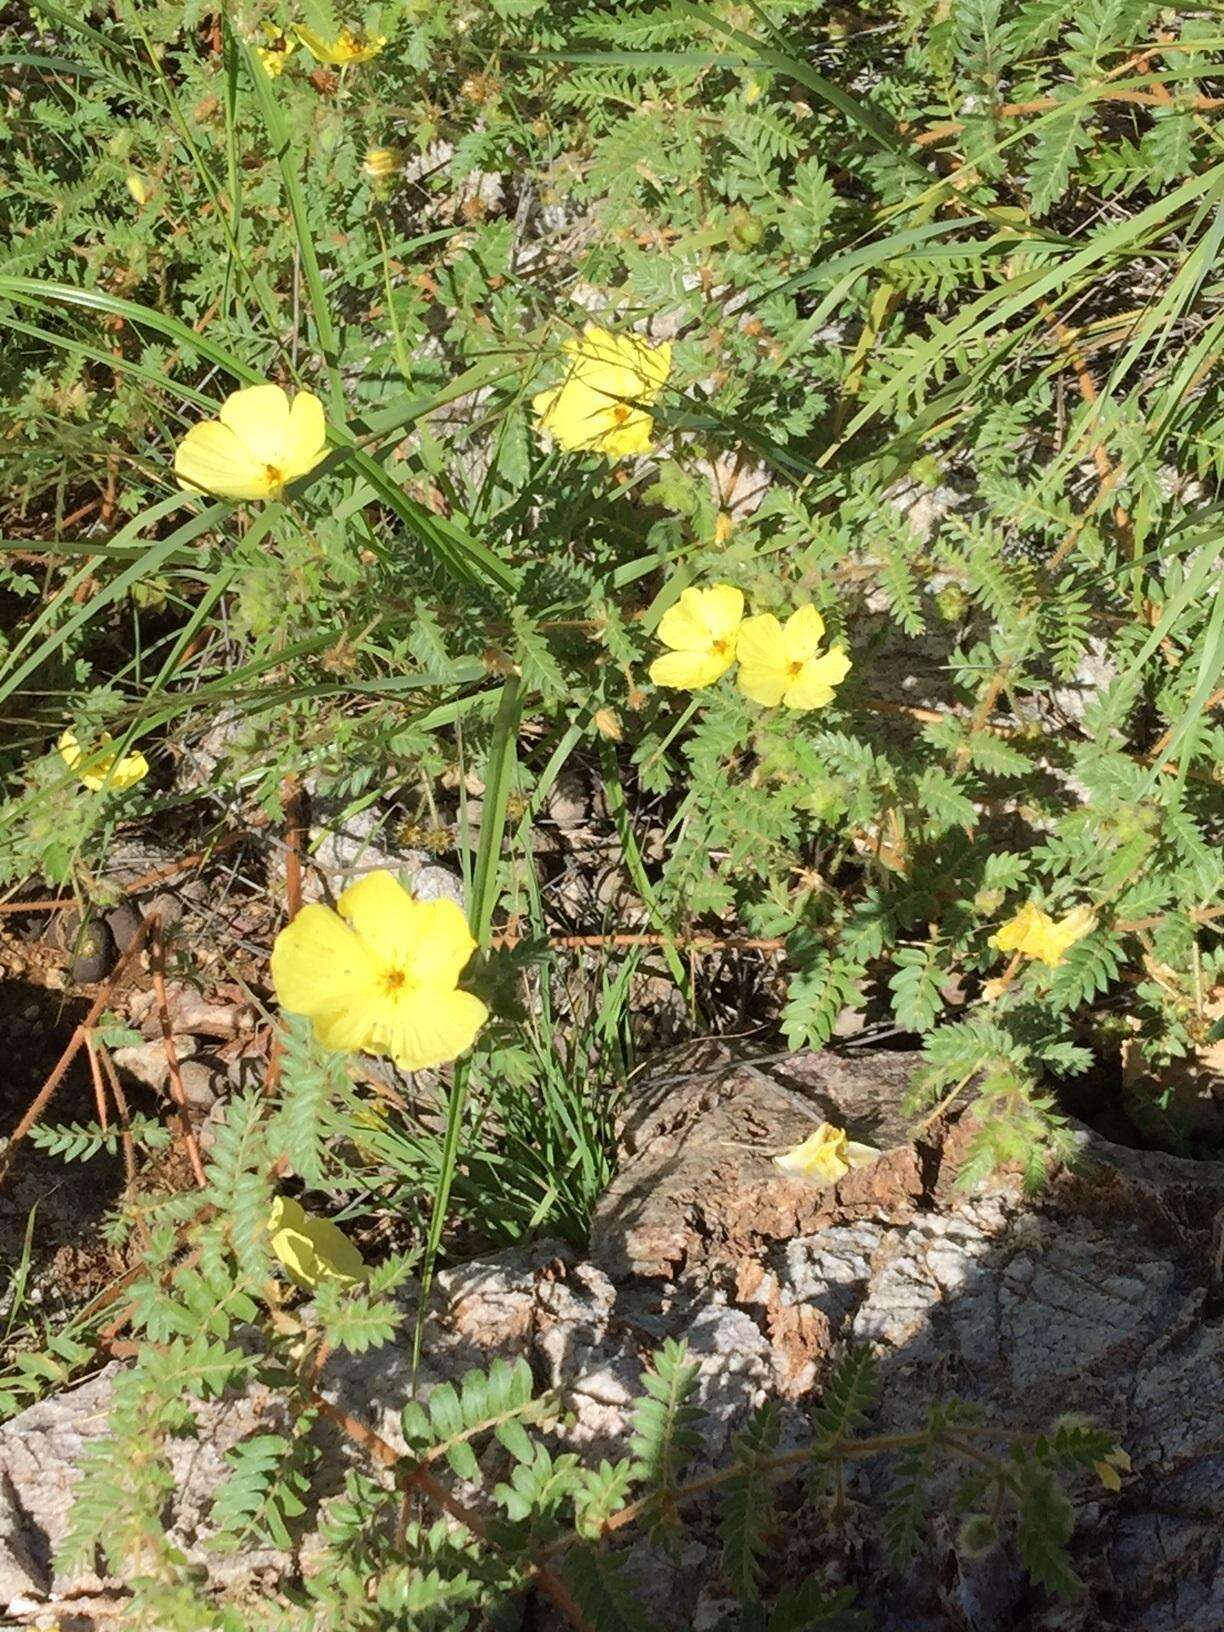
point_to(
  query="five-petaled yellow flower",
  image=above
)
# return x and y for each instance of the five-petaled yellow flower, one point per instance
(103, 767)
(701, 630)
(782, 663)
(312, 1249)
(381, 974)
(828, 1155)
(345, 48)
(275, 52)
(601, 406)
(258, 444)
(1034, 934)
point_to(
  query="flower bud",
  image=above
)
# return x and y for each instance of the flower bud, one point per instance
(978, 1534)
(380, 163)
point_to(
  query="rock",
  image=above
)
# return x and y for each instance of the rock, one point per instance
(191, 1013)
(360, 844)
(202, 1083)
(700, 1183)
(1099, 1296)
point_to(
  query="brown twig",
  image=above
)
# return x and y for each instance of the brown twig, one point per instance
(694, 943)
(293, 805)
(43, 1097)
(1047, 104)
(415, 1476)
(95, 1072)
(158, 966)
(125, 1121)
(197, 858)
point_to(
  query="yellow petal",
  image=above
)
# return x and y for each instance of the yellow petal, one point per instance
(211, 459)
(763, 672)
(689, 671)
(126, 772)
(601, 404)
(631, 433)
(1035, 934)
(1108, 1475)
(703, 618)
(759, 642)
(306, 437)
(803, 633)
(345, 48)
(258, 415)
(1010, 937)
(286, 1213)
(429, 1027)
(860, 1155)
(428, 940)
(321, 968)
(322, 50)
(70, 748)
(814, 685)
(312, 1249)
(827, 1154)
(103, 768)
(722, 609)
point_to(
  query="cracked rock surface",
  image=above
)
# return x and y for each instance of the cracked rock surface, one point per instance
(1100, 1296)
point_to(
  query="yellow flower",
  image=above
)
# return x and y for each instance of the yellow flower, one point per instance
(782, 663)
(382, 974)
(103, 768)
(700, 629)
(312, 1249)
(275, 52)
(1107, 1469)
(1034, 934)
(380, 163)
(601, 404)
(255, 447)
(138, 187)
(828, 1154)
(345, 48)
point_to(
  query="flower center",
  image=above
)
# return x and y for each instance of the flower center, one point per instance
(723, 647)
(394, 981)
(621, 412)
(275, 475)
(794, 670)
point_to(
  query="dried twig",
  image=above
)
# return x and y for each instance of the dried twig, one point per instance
(415, 1476)
(43, 1097)
(197, 858)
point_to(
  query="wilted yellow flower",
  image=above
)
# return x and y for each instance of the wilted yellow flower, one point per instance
(601, 404)
(380, 163)
(1034, 934)
(103, 768)
(701, 630)
(312, 1249)
(256, 446)
(782, 663)
(828, 1154)
(137, 186)
(345, 48)
(381, 974)
(1107, 1468)
(275, 52)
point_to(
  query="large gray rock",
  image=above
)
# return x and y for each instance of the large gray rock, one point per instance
(1101, 1296)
